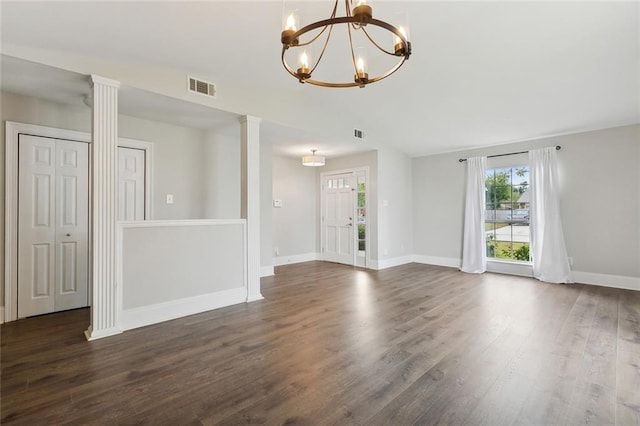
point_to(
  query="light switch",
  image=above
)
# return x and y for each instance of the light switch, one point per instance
(169, 198)
(277, 203)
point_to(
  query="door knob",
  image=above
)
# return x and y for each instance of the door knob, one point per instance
(349, 224)
(68, 235)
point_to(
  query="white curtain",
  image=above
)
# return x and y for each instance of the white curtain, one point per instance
(474, 251)
(549, 253)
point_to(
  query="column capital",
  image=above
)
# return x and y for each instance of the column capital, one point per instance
(96, 79)
(249, 119)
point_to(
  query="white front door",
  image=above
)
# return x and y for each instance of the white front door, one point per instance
(338, 224)
(131, 183)
(53, 214)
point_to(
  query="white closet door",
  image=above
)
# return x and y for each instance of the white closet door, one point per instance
(52, 225)
(131, 176)
(72, 220)
(36, 225)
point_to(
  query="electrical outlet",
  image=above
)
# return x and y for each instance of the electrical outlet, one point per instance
(169, 198)
(276, 251)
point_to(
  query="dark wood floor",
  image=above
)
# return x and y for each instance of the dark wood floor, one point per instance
(332, 344)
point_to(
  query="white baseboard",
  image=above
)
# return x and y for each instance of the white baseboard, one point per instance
(152, 314)
(450, 262)
(605, 280)
(1, 314)
(296, 258)
(266, 271)
(90, 334)
(390, 263)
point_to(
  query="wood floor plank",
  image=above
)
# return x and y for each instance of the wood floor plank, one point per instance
(332, 344)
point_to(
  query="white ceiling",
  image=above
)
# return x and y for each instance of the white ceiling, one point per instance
(481, 73)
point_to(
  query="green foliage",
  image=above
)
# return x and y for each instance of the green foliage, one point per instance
(522, 253)
(507, 250)
(500, 190)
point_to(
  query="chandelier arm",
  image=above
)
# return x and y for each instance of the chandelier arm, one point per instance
(326, 42)
(382, 49)
(353, 55)
(315, 38)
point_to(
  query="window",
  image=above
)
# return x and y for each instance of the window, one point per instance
(362, 213)
(507, 213)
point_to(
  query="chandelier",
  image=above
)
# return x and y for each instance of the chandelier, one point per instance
(357, 19)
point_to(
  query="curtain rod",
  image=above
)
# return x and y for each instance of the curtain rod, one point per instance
(462, 160)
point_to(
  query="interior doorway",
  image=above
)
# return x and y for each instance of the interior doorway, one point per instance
(344, 220)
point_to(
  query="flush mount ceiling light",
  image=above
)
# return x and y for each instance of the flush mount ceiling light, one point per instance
(360, 23)
(313, 160)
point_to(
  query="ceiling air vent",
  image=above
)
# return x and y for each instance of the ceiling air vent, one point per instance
(201, 86)
(358, 134)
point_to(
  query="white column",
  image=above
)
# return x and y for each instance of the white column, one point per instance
(250, 200)
(104, 196)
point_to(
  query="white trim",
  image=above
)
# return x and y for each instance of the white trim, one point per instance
(104, 81)
(606, 280)
(390, 263)
(159, 312)
(450, 262)
(181, 222)
(510, 268)
(90, 335)
(1, 314)
(147, 147)
(266, 271)
(296, 258)
(250, 201)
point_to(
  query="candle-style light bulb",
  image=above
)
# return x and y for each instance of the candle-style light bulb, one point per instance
(303, 72)
(290, 28)
(361, 74)
(398, 43)
(291, 23)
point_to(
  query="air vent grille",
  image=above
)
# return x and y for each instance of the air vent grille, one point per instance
(202, 87)
(358, 134)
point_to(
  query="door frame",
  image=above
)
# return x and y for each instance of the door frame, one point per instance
(12, 133)
(353, 171)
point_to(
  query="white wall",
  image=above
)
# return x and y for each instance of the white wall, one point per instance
(266, 215)
(295, 224)
(178, 168)
(171, 269)
(222, 175)
(395, 207)
(600, 204)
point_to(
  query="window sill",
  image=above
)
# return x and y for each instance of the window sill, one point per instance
(510, 262)
(510, 267)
